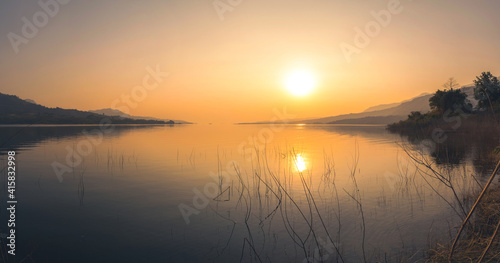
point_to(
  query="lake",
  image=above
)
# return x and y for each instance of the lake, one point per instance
(225, 193)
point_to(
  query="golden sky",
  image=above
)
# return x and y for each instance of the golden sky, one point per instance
(231, 66)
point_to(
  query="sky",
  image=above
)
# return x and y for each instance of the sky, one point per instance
(228, 60)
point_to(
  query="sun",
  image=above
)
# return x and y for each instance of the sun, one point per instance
(300, 82)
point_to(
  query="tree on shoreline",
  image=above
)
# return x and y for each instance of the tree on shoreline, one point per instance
(450, 102)
(450, 99)
(487, 91)
(451, 84)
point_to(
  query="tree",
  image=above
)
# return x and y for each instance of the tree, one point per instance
(415, 115)
(451, 84)
(487, 91)
(449, 100)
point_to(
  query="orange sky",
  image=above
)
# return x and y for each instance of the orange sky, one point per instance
(232, 70)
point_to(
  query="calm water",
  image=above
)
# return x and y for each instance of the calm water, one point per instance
(251, 193)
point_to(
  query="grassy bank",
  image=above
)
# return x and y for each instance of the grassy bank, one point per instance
(423, 125)
(477, 235)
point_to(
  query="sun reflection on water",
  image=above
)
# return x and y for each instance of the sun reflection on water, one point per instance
(300, 163)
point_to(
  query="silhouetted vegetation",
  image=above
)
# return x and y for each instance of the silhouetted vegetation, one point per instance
(416, 121)
(14, 110)
(451, 107)
(456, 130)
(487, 91)
(449, 99)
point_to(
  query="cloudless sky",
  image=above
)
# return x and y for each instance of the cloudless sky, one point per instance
(232, 70)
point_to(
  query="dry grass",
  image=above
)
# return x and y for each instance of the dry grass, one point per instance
(477, 236)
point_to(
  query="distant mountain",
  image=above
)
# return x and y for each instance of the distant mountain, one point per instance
(371, 120)
(382, 107)
(14, 110)
(114, 112)
(402, 110)
(384, 114)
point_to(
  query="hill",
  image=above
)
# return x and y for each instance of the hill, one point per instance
(14, 110)
(371, 120)
(382, 107)
(388, 112)
(114, 112)
(420, 103)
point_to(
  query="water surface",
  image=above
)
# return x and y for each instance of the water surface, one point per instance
(255, 193)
